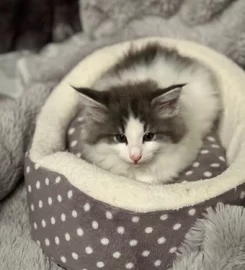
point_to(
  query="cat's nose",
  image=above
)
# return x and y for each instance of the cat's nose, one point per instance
(135, 158)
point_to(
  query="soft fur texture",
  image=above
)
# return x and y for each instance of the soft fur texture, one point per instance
(219, 24)
(145, 95)
(216, 242)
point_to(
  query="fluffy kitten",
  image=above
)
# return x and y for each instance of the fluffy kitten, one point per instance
(145, 118)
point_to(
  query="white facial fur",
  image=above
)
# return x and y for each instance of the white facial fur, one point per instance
(135, 148)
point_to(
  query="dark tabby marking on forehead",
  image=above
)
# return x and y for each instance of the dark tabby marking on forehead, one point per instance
(108, 111)
(147, 54)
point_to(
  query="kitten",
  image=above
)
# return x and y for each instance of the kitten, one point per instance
(145, 118)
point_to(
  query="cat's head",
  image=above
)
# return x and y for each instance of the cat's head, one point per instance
(133, 121)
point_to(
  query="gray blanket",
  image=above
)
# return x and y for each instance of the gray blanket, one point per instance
(217, 23)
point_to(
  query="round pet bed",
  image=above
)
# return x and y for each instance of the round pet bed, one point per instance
(86, 218)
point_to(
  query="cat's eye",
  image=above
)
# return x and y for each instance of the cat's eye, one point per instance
(121, 138)
(148, 137)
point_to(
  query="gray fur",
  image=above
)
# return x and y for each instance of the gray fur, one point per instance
(117, 104)
(216, 23)
(216, 242)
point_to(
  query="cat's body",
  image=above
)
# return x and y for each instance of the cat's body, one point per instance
(149, 117)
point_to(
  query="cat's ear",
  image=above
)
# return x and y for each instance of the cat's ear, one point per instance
(166, 101)
(93, 101)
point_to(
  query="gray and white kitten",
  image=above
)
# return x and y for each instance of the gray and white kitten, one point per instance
(145, 118)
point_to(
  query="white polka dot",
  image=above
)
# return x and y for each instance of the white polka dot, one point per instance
(242, 195)
(35, 225)
(32, 207)
(95, 225)
(43, 223)
(37, 166)
(204, 151)
(100, 264)
(148, 230)
(59, 198)
(207, 174)
(120, 230)
(74, 213)
(80, 232)
(172, 250)
(215, 165)
(215, 145)
(57, 240)
(80, 119)
(71, 131)
(108, 215)
(133, 243)
(189, 173)
(86, 207)
(157, 263)
(164, 217)
(50, 201)
(211, 139)
(192, 212)
(79, 155)
(69, 194)
(177, 226)
(63, 259)
(73, 143)
(28, 169)
(145, 253)
(63, 217)
(129, 265)
(196, 164)
(135, 219)
(29, 188)
(40, 204)
(161, 240)
(116, 255)
(47, 243)
(38, 184)
(47, 181)
(183, 182)
(52, 220)
(57, 180)
(74, 255)
(88, 250)
(222, 158)
(38, 242)
(67, 237)
(105, 241)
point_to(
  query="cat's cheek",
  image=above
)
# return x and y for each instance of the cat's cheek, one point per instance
(122, 151)
(150, 149)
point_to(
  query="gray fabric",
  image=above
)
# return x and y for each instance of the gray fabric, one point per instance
(17, 250)
(216, 23)
(10, 81)
(219, 24)
(80, 232)
(216, 242)
(16, 128)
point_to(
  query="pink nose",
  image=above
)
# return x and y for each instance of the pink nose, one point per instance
(135, 158)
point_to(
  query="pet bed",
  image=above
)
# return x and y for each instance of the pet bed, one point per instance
(86, 218)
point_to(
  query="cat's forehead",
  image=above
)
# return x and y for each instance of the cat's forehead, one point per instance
(134, 128)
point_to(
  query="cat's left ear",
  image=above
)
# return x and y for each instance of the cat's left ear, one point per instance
(93, 101)
(165, 101)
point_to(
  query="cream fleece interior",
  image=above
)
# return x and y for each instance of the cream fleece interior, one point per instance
(48, 144)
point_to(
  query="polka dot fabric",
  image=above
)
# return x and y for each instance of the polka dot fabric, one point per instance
(210, 161)
(79, 232)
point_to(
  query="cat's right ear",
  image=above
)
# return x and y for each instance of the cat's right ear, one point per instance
(93, 101)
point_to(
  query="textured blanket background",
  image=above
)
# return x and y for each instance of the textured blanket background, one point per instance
(217, 23)
(30, 24)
